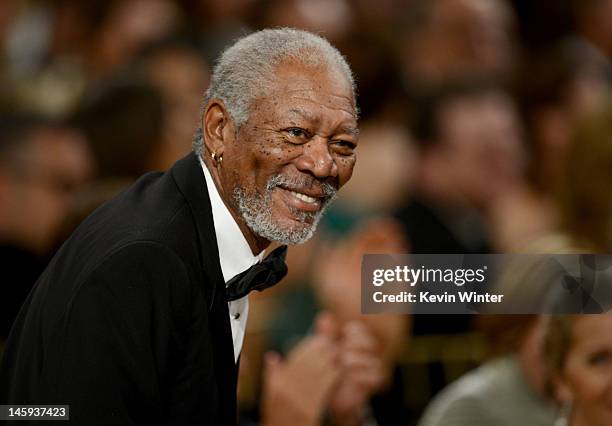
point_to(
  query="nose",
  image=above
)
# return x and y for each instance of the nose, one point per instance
(317, 160)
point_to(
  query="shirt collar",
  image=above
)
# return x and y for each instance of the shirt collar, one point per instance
(235, 255)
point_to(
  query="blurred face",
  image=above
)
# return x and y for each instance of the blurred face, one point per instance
(464, 37)
(40, 189)
(182, 76)
(481, 145)
(587, 378)
(292, 155)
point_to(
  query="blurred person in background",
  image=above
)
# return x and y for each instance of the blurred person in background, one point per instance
(43, 165)
(584, 195)
(124, 121)
(334, 18)
(180, 74)
(507, 390)
(451, 39)
(581, 195)
(125, 28)
(470, 153)
(556, 89)
(579, 359)
(217, 23)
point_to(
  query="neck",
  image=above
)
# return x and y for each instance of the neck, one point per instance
(256, 243)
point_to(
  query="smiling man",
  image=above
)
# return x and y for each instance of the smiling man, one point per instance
(290, 145)
(140, 317)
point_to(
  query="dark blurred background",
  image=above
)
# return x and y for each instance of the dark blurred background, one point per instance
(485, 128)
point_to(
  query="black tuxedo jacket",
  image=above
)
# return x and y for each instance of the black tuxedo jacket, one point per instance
(128, 324)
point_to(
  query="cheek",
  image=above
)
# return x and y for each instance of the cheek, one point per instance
(588, 384)
(272, 156)
(346, 166)
(273, 152)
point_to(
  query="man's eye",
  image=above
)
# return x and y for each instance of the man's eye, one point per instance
(344, 147)
(297, 132)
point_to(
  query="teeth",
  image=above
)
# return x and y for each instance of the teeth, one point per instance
(304, 197)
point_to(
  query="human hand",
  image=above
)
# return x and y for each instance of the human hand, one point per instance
(337, 281)
(297, 389)
(362, 374)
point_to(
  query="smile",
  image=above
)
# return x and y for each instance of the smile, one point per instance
(300, 201)
(303, 197)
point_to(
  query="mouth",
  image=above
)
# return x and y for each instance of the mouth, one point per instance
(301, 201)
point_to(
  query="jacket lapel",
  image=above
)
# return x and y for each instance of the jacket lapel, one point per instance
(190, 180)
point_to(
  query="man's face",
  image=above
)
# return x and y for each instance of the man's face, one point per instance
(295, 151)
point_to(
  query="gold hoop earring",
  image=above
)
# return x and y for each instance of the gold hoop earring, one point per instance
(217, 159)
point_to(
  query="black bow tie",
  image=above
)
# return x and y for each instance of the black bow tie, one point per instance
(259, 276)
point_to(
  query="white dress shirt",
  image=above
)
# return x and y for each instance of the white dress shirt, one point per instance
(235, 256)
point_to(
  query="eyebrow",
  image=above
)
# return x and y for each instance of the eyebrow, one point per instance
(348, 129)
(353, 131)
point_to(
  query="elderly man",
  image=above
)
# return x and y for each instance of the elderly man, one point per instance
(140, 317)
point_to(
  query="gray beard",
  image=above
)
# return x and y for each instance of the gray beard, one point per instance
(256, 210)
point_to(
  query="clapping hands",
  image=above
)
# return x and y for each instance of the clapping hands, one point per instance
(336, 369)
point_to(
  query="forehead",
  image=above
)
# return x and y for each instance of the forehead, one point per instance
(312, 93)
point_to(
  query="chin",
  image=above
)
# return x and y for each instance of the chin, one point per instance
(294, 235)
(276, 221)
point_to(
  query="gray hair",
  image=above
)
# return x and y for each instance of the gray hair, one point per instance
(245, 70)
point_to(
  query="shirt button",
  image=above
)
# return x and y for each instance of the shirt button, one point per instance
(237, 315)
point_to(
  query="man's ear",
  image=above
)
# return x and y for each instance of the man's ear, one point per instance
(217, 127)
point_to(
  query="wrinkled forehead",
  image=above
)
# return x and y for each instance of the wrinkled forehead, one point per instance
(310, 90)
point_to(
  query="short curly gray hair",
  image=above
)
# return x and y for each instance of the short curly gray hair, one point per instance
(246, 69)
